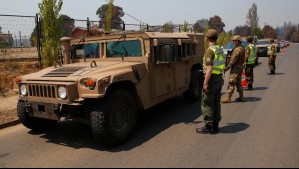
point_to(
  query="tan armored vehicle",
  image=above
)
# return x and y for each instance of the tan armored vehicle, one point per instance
(105, 80)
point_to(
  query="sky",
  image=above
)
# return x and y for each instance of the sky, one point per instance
(158, 12)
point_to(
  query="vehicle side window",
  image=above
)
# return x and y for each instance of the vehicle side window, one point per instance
(188, 50)
(124, 49)
(86, 51)
(166, 53)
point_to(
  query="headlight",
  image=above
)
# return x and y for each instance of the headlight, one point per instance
(23, 89)
(62, 92)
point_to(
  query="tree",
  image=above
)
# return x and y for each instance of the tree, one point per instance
(242, 30)
(185, 27)
(289, 32)
(216, 23)
(252, 19)
(51, 21)
(196, 28)
(68, 25)
(116, 20)
(168, 27)
(295, 37)
(269, 32)
(109, 15)
(258, 32)
(201, 24)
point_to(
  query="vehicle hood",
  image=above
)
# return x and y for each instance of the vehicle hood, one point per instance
(73, 72)
(262, 46)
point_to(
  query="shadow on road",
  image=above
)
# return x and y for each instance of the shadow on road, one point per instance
(276, 74)
(260, 88)
(150, 123)
(233, 128)
(252, 99)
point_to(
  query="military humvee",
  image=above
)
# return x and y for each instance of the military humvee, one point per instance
(105, 80)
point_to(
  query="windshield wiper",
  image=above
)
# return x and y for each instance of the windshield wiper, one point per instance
(127, 54)
(116, 43)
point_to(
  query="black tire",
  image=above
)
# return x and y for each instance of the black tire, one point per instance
(33, 123)
(194, 92)
(114, 121)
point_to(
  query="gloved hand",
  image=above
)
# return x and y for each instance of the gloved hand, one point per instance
(226, 69)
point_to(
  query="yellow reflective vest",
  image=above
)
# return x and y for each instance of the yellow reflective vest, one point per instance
(252, 54)
(219, 60)
(270, 50)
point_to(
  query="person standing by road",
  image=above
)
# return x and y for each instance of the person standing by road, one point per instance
(236, 65)
(272, 56)
(250, 57)
(214, 64)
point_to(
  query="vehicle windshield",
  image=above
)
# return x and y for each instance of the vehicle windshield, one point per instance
(263, 42)
(124, 48)
(231, 45)
(81, 51)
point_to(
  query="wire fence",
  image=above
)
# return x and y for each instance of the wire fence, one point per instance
(20, 35)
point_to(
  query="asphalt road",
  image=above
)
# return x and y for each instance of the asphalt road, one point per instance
(262, 132)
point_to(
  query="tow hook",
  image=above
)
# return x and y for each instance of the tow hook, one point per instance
(27, 107)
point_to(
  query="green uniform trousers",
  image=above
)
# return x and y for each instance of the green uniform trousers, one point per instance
(249, 73)
(272, 65)
(210, 103)
(235, 78)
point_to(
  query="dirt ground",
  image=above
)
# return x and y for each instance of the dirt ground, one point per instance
(9, 70)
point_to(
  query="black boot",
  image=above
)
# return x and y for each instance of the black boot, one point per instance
(215, 128)
(205, 130)
(250, 87)
(272, 72)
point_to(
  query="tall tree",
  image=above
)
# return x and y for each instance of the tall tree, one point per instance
(216, 23)
(109, 15)
(116, 20)
(185, 27)
(68, 25)
(252, 19)
(51, 21)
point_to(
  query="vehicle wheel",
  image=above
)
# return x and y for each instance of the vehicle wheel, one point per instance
(194, 92)
(114, 121)
(33, 123)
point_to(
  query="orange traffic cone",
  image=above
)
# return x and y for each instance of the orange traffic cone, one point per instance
(243, 80)
(284, 51)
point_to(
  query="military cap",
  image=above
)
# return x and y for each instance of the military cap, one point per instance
(271, 40)
(237, 37)
(212, 33)
(249, 38)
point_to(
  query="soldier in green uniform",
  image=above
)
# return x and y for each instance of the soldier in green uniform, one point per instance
(250, 57)
(236, 65)
(272, 56)
(214, 64)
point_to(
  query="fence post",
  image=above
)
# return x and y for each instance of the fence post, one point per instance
(124, 26)
(38, 41)
(88, 27)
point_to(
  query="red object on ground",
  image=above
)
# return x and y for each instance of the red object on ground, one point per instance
(243, 81)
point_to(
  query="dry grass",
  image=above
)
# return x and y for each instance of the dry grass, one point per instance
(9, 70)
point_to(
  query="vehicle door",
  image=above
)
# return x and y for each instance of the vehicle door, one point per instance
(164, 68)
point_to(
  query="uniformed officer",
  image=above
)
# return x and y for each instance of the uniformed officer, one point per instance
(250, 57)
(214, 64)
(272, 56)
(236, 65)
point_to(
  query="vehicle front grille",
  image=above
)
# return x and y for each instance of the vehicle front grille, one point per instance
(43, 91)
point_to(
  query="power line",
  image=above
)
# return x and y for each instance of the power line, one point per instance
(129, 15)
